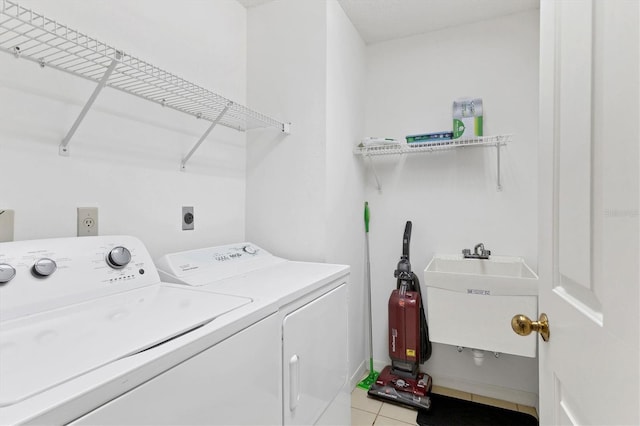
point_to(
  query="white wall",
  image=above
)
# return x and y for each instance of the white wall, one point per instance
(344, 172)
(126, 154)
(305, 190)
(286, 174)
(451, 196)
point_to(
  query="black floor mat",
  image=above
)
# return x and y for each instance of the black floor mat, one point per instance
(447, 411)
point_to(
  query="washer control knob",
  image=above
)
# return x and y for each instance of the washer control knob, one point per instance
(7, 272)
(249, 249)
(119, 257)
(44, 267)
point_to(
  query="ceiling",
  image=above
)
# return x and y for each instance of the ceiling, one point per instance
(382, 20)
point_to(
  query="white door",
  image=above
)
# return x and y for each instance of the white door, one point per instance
(589, 220)
(314, 357)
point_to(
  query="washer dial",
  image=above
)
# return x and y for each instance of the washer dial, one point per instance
(44, 267)
(249, 249)
(7, 272)
(119, 257)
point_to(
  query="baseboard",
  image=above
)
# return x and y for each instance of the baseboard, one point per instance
(492, 391)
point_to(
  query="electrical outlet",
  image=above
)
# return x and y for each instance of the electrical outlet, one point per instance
(6, 225)
(87, 221)
(187, 218)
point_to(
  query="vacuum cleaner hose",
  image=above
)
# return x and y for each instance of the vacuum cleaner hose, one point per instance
(425, 342)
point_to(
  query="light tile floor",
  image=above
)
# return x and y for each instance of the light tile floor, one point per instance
(369, 411)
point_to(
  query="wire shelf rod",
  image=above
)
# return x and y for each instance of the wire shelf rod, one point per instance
(93, 71)
(45, 51)
(183, 94)
(72, 63)
(61, 48)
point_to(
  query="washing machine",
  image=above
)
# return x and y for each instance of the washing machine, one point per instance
(311, 326)
(90, 335)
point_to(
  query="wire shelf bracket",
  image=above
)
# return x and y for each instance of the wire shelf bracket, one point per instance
(186, 158)
(370, 151)
(375, 175)
(63, 149)
(28, 35)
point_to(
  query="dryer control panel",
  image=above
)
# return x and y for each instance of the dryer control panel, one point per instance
(40, 275)
(206, 265)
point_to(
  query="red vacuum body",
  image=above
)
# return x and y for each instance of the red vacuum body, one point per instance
(409, 346)
(404, 326)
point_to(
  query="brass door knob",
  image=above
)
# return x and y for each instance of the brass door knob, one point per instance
(523, 326)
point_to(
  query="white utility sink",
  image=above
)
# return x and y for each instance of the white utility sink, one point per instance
(499, 275)
(470, 302)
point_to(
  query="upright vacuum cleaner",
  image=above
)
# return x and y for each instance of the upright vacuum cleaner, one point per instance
(409, 345)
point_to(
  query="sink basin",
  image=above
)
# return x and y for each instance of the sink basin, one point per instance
(498, 275)
(470, 302)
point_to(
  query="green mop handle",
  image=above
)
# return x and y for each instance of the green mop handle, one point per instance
(366, 216)
(368, 279)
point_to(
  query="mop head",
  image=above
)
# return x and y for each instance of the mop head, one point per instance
(369, 380)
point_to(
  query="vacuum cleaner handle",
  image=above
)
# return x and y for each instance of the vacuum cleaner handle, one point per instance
(406, 240)
(403, 271)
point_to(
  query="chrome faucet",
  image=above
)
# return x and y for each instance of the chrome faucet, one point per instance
(479, 252)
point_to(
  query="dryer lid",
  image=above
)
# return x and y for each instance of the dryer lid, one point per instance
(42, 351)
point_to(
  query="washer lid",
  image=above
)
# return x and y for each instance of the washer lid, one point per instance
(42, 351)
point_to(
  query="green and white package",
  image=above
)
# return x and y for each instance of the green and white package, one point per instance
(467, 118)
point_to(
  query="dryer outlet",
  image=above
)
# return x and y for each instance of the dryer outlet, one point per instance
(187, 218)
(87, 221)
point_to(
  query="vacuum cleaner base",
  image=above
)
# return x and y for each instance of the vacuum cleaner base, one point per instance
(412, 392)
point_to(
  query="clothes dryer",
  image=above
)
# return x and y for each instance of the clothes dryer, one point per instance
(311, 303)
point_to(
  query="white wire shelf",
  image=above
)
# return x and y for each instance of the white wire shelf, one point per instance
(370, 151)
(413, 148)
(29, 35)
